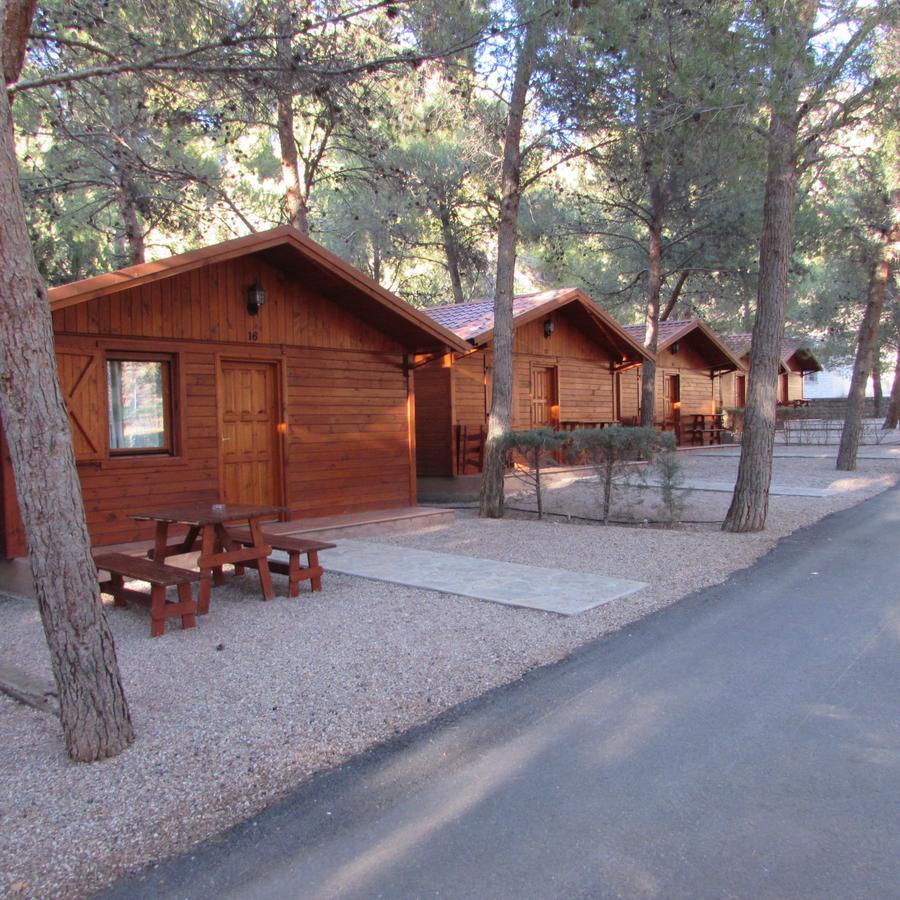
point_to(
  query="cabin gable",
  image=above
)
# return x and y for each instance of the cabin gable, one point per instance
(689, 361)
(210, 304)
(562, 375)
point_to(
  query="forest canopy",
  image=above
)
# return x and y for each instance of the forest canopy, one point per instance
(145, 128)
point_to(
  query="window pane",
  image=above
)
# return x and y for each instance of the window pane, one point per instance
(137, 417)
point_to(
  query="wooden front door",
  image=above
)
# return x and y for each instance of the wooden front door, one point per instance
(251, 461)
(543, 395)
(671, 396)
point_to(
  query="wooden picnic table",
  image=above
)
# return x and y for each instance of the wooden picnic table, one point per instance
(700, 426)
(207, 528)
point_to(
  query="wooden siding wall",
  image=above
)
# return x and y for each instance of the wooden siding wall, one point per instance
(698, 393)
(472, 388)
(585, 391)
(434, 418)
(343, 393)
(728, 387)
(795, 386)
(630, 394)
(695, 383)
(210, 304)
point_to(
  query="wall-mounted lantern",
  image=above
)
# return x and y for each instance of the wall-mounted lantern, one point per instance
(256, 297)
(674, 348)
(549, 326)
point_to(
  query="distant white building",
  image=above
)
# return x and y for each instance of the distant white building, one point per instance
(835, 382)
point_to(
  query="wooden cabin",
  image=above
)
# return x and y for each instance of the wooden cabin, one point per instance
(690, 358)
(260, 370)
(566, 355)
(797, 361)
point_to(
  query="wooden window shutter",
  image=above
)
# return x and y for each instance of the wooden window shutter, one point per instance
(82, 382)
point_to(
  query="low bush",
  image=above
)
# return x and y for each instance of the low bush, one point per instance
(535, 448)
(673, 494)
(610, 450)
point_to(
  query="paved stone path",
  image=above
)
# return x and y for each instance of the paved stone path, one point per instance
(534, 587)
(727, 487)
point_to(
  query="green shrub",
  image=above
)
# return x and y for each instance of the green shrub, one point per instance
(671, 485)
(609, 450)
(535, 447)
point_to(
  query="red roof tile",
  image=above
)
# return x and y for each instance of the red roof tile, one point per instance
(468, 320)
(667, 330)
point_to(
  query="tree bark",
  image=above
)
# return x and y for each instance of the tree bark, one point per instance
(892, 419)
(499, 420)
(868, 338)
(651, 321)
(131, 249)
(95, 718)
(673, 297)
(750, 503)
(451, 251)
(17, 16)
(877, 392)
(135, 250)
(294, 200)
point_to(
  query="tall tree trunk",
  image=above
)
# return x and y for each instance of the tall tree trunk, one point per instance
(131, 245)
(295, 205)
(451, 251)
(294, 199)
(750, 503)
(877, 391)
(17, 16)
(134, 250)
(892, 419)
(868, 338)
(499, 420)
(673, 296)
(95, 718)
(651, 321)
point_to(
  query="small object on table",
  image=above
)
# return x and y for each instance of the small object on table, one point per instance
(206, 525)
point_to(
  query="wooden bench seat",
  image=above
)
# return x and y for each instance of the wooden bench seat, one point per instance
(121, 566)
(295, 547)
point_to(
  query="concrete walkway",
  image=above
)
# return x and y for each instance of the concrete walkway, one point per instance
(870, 451)
(535, 587)
(727, 487)
(743, 743)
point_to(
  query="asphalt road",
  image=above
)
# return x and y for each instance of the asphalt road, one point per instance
(743, 743)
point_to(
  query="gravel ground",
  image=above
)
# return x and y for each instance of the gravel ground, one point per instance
(577, 494)
(301, 685)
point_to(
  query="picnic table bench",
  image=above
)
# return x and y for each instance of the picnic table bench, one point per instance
(160, 576)
(295, 547)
